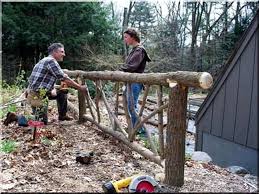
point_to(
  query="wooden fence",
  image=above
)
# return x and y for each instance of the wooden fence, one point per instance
(171, 153)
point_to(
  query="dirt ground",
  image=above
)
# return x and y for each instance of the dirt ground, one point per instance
(50, 165)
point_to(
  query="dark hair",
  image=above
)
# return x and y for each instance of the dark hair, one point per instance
(133, 33)
(54, 47)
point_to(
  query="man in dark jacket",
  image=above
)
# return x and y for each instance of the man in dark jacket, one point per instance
(135, 63)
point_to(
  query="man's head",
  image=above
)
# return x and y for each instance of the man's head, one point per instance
(131, 36)
(57, 51)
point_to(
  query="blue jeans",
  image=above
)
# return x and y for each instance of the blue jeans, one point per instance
(135, 91)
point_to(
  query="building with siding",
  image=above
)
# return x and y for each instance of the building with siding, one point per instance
(227, 121)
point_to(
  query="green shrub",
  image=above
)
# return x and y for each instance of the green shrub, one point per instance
(7, 146)
(91, 88)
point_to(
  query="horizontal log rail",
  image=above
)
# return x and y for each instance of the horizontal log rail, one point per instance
(191, 79)
(173, 150)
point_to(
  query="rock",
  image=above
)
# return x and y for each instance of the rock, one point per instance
(237, 170)
(188, 164)
(201, 156)
(84, 158)
(160, 177)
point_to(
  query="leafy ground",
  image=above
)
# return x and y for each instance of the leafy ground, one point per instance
(50, 165)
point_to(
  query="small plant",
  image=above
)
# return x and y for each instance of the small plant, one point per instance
(188, 156)
(19, 81)
(45, 141)
(7, 146)
(4, 111)
(154, 139)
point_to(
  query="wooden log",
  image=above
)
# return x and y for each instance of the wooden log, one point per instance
(144, 116)
(160, 121)
(144, 100)
(119, 136)
(115, 119)
(193, 79)
(97, 100)
(88, 97)
(139, 124)
(131, 107)
(175, 136)
(117, 87)
(81, 100)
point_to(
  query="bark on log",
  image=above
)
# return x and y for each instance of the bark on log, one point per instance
(97, 99)
(193, 79)
(81, 100)
(133, 145)
(144, 100)
(117, 87)
(175, 136)
(88, 97)
(140, 123)
(160, 121)
(113, 117)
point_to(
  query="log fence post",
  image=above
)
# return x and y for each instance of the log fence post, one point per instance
(175, 133)
(160, 121)
(81, 101)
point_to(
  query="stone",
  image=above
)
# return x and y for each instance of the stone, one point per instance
(160, 177)
(201, 156)
(237, 170)
(84, 158)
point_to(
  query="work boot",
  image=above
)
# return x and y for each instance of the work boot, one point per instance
(65, 118)
(10, 117)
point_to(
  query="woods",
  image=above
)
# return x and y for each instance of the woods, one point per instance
(189, 36)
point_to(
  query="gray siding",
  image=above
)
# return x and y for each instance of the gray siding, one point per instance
(244, 92)
(231, 111)
(226, 153)
(230, 105)
(227, 121)
(252, 140)
(218, 113)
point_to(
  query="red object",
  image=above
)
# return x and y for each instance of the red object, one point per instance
(35, 123)
(145, 186)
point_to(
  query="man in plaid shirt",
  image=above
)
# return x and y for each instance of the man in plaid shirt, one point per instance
(44, 75)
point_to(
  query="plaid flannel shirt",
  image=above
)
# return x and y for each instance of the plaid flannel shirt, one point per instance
(45, 73)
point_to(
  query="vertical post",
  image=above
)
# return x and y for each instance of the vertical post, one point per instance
(81, 100)
(175, 136)
(97, 99)
(117, 87)
(160, 121)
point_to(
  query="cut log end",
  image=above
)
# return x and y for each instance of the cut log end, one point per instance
(205, 80)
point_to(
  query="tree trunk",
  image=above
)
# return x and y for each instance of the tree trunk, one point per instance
(175, 137)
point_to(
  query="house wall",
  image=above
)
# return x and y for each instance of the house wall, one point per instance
(226, 153)
(227, 124)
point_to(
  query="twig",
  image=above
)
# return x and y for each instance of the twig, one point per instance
(250, 184)
(6, 105)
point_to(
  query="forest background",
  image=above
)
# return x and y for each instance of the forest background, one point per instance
(191, 36)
